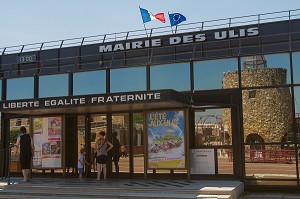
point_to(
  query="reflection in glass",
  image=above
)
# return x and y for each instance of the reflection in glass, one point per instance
(138, 142)
(98, 123)
(89, 82)
(53, 85)
(81, 138)
(213, 127)
(296, 67)
(15, 125)
(264, 70)
(209, 74)
(267, 117)
(225, 161)
(170, 76)
(270, 161)
(128, 79)
(21, 88)
(120, 127)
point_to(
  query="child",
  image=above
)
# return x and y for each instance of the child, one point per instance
(123, 152)
(81, 162)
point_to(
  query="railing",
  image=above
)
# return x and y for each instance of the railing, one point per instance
(5, 156)
(197, 26)
(287, 156)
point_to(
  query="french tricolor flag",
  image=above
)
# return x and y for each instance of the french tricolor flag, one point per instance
(148, 16)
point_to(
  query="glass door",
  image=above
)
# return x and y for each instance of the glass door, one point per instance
(98, 123)
(213, 142)
(120, 133)
(138, 143)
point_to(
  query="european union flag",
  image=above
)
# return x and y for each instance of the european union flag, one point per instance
(176, 18)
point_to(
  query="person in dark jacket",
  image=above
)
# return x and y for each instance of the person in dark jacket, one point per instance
(25, 143)
(116, 151)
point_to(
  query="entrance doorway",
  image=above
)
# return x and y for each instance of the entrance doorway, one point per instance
(213, 141)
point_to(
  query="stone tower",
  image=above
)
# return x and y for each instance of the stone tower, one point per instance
(266, 112)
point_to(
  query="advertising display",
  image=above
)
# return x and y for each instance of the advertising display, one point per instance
(202, 161)
(47, 138)
(166, 140)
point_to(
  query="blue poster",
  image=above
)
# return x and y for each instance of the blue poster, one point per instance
(166, 140)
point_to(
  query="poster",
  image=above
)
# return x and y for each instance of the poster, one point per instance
(47, 138)
(202, 161)
(166, 140)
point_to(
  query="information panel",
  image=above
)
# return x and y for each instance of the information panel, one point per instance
(202, 161)
(166, 140)
(47, 138)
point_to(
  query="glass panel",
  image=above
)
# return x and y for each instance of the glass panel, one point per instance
(265, 70)
(120, 127)
(138, 142)
(225, 161)
(21, 88)
(89, 82)
(270, 161)
(128, 79)
(15, 125)
(165, 76)
(98, 123)
(214, 74)
(0, 89)
(53, 85)
(296, 67)
(213, 127)
(81, 139)
(268, 116)
(297, 117)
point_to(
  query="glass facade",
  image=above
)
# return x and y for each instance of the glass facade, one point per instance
(20, 88)
(54, 85)
(128, 79)
(89, 82)
(170, 76)
(244, 101)
(210, 74)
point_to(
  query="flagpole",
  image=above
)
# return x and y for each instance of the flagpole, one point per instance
(170, 23)
(175, 29)
(144, 23)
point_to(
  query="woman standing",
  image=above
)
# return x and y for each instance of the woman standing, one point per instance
(102, 147)
(26, 151)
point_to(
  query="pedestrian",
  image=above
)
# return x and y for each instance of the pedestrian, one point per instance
(123, 152)
(102, 147)
(81, 163)
(26, 145)
(116, 151)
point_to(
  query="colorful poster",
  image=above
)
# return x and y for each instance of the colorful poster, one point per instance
(47, 138)
(166, 140)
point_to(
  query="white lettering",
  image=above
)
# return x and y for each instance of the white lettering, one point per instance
(118, 47)
(137, 44)
(156, 42)
(252, 31)
(106, 48)
(221, 35)
(188, 39)
(200, 37)
(174, 40)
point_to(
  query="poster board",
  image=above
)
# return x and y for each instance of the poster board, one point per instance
(47, 138)
(166, 140)
(202, 161)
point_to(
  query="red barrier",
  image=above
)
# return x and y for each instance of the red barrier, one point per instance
(286, 156)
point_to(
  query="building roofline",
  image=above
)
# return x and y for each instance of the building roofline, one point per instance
(153, 32)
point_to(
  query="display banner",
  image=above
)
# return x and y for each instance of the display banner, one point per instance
(47, 138)
(166, 140)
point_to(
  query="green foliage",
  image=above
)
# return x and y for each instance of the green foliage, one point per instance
(138, 118)
(14, 135)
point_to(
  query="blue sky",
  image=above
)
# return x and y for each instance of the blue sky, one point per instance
(33, 21)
